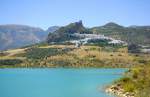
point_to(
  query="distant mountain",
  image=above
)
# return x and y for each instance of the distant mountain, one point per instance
(131, 34)
(52, 29)
(66, 33)
(13, 36)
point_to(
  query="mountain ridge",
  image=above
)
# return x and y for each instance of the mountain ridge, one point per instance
(15, 35)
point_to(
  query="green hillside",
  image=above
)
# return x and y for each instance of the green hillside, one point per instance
(133, 34)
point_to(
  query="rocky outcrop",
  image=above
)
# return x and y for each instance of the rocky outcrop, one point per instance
(118, 91)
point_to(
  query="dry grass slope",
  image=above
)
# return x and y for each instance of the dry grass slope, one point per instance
(68, 56)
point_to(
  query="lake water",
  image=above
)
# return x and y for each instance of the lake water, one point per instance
(56, 82)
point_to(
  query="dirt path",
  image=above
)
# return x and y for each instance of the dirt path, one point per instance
(15, 51)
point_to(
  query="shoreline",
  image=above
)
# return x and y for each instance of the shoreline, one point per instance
(118, 91)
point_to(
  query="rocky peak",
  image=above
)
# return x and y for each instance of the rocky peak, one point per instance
(79, 23)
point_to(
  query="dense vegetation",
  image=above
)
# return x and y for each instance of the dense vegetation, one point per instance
(40, 53)
(133, 48)
(10, 62)
(137, 80)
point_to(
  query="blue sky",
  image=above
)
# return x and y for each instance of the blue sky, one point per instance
(45, 13)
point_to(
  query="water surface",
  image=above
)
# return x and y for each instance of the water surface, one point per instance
(56, 82)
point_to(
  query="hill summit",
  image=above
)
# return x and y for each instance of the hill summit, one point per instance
(65, 33)
(112, 25)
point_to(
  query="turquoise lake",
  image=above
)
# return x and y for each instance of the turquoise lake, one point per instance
(56, 82)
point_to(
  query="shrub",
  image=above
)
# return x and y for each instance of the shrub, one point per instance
(124, 79)
(40, 53)
(10, 61)
(129, 87)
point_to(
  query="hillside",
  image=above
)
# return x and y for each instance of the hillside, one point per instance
(132, 34)
(138, 35)
(13, 36)
(66, 33)
(69, 56)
